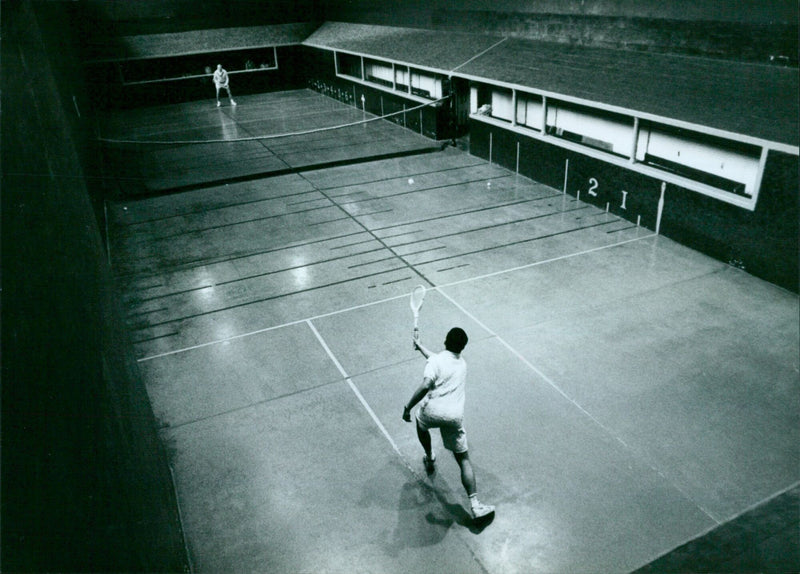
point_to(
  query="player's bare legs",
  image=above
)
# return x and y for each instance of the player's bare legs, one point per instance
(424, 437)
(467, 474)
(425, 440)
(230, 96)
(479, 509)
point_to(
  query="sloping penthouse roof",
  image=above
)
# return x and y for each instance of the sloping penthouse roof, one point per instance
(442, 51)
(753, 100)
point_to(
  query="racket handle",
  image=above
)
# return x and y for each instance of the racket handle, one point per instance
(416, 338)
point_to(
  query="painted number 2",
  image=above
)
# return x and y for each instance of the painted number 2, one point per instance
(594, 184)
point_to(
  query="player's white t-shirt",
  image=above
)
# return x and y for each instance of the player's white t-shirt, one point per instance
(445, 401)
(221, 78)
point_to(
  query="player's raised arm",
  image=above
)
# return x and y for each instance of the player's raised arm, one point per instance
(418, 347)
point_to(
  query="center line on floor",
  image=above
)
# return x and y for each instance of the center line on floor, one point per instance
(353, 387)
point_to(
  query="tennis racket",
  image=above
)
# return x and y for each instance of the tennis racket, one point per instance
(417, 298)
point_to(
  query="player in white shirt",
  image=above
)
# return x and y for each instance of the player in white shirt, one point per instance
(221, 82)
(442, 395)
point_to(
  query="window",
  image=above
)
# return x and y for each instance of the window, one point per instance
(715, 166)
(384, 74)
(529, 111)
(426, 85)
(501, 105)
(378, 73)
(348, 65)
(592, 128)
(709, 160)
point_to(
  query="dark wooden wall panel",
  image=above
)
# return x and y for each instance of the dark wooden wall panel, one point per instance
(764, 242)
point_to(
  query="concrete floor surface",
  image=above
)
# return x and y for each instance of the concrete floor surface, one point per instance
(625, 396)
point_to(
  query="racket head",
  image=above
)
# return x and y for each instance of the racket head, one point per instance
(417, 298)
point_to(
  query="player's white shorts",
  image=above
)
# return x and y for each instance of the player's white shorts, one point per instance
(454, 436)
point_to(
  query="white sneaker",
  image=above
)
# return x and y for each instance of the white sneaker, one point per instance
(218, 104)
(233, 103)
(479, 510)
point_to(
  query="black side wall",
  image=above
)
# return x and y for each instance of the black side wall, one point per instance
(764, 242)
(85, 480)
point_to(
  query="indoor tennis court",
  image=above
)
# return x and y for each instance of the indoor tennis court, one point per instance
(215, 214)
(267, 287)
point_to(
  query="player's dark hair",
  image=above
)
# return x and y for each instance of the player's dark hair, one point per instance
(456, 340)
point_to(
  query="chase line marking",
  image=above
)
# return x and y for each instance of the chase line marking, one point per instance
(382, 301)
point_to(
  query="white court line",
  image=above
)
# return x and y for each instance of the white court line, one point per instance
(417, 476)
(559, 258)
(354, 388)
(552, 383)
(711, 529)
(356, 307)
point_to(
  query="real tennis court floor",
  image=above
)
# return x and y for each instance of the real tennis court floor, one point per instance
(626, 394)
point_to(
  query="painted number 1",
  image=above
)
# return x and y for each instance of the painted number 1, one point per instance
(593, 185)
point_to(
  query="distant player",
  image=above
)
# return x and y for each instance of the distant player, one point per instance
(442, 393)
(221, 82)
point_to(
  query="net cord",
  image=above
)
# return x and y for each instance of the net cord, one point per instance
(271, 136)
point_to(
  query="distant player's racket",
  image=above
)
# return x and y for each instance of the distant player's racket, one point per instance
(417, 298)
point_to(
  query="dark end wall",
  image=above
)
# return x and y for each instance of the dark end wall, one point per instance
(748, 30)
(113, 18)
(86, 485)
(751, 30)
(755, 11)
(108, 92)
(768, 43)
